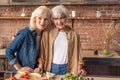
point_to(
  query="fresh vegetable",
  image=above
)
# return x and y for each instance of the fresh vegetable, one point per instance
(35, 74)
(106, 52)
(13, 78)
(26, 76)
(72, 76)
(20, 72)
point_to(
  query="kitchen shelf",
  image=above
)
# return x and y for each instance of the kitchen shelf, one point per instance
(97, 18)
(76, 18)
(4, 18)
(78, 3)
(58, 3)
(94, 18)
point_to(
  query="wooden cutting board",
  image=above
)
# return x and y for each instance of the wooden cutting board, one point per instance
(31, 77)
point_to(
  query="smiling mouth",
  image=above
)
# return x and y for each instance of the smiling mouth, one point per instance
(43, 25)
(60, 25)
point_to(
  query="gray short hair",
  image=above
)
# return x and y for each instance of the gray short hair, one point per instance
(37, 12)
(58, 10)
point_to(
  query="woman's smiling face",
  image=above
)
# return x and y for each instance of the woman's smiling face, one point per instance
(42, 21)
(60, 21)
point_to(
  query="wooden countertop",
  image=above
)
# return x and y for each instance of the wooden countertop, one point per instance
(102, 78)
(2, 51)
(90, 54)
(86, 54)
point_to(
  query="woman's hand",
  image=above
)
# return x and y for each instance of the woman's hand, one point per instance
(82, 72)
(26, 69)
(38, 69)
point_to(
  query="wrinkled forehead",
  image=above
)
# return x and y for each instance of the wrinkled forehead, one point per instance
(44, 14)
(58, 14)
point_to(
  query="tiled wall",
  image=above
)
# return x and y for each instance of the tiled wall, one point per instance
(92, 28)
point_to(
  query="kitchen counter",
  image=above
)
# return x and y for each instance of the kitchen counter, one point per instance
(110, 65)
(102, 78)
(2, 53)
(95, 77)
(58, 77)
(95, 64)
(90, 54)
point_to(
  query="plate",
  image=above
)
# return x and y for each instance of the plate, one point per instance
(103, 55)
(48, 74)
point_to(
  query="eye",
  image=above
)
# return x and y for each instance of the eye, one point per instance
(55, 18)
(62, 17)
(39, 18)
(46, 19)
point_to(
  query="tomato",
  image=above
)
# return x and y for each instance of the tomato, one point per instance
(22, 76)
(13, 78)
(26, 76)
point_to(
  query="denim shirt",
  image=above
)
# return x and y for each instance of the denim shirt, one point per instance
(24, 45)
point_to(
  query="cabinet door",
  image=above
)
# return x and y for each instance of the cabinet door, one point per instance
(2, 65)
(4, 2)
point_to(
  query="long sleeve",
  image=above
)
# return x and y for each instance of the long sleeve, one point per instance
(13, 47)
(43, 48)
(80, 58)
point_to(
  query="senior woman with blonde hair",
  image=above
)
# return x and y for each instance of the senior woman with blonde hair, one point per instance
(63, 54)
(27, 41)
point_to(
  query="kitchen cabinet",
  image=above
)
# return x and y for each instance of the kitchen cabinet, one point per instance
(108, 67)
(4, 65)
(102, 65)
(102, 78)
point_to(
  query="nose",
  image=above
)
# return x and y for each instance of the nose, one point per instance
(42, 21)
(59, 20)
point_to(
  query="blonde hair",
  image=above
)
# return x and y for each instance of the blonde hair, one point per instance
(37, 12)
(59, 10)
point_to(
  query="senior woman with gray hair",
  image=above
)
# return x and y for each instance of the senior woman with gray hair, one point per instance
(27, 41)
(63, 54)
